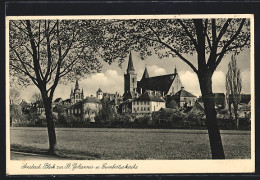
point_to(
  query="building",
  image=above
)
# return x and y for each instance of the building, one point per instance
(185, 98)
(86, 109)
(166, 84)
(99, 94)
(147, 103)
(76, 95)
(130, 78)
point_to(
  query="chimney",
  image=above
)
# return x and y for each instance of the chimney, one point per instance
(182, 88)
(141, 91)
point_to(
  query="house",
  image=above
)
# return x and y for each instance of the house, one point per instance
(38, 107)
(184, 98)
(86, 109)
(198, 108)
(147, 103)
(126, 107)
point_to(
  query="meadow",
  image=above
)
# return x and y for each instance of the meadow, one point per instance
(115, 143)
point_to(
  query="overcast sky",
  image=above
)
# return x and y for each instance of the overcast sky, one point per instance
(111, 78)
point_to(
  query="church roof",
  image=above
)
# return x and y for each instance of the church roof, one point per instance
(157, 83)
(183, 93)
(130, 66)
(145, 75)
(150, 97)
(58, 100)
(168, 110)
(91, 100)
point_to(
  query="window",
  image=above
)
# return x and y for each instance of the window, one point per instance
(147, 102)
(133, 80)
(141, 108)
(134, 103)
(79, 111)
(141, 102)
(137, 108)
(148, 109)
(144, 108)
(144, 102)
(137, 103)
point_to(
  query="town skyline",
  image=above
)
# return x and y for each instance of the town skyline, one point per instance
(111, 77)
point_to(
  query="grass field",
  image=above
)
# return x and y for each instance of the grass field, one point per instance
(104, 143)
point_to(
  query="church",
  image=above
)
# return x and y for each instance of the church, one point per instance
(76, 95)
(166, 85)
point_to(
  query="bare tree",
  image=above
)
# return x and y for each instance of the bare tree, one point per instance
(233, 86)
(47, 52)
(207, 39)
(36, 97)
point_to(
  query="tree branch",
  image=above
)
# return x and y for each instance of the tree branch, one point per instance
(224, 49)
(37, 68)
(26, 73)
(223, 30)
(188, 34)
(173, 50)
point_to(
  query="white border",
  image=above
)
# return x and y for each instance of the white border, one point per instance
(13, 167)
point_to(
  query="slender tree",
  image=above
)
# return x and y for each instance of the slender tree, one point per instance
(209, 40)
(14, 95)
(233, 86)
(47, 52)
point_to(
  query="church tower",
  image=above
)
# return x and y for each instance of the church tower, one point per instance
(76, 95)
(99, 94)
(130, 76)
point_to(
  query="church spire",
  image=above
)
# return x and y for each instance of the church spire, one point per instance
(130, 64)
(145, 75)
(175, 70)
(77, 84)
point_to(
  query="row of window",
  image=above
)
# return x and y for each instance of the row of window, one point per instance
(75, 111)
(141, 102)
(142, 109)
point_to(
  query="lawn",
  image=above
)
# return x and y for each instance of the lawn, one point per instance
(104, 143)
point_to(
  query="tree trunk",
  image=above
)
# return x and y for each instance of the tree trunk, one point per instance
(235, 112)
(229, 107)
(50, 124)
(211, 119)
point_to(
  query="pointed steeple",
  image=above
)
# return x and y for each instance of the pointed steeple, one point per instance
(82, 94)
(175, 70)
(77, 85)
(130, 64)
(145, 75)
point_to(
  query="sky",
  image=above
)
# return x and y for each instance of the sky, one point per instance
(111, 77)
